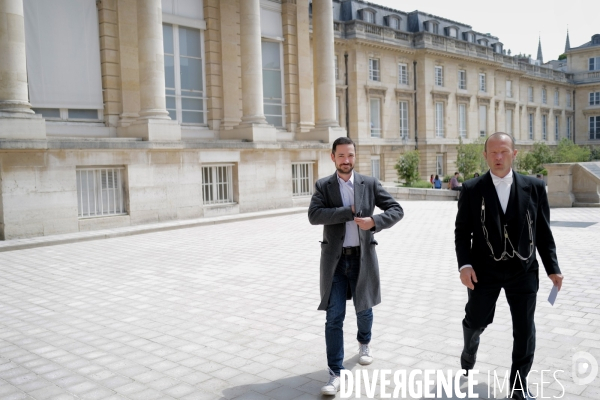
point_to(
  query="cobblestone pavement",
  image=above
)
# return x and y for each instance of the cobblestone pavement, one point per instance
(229, 311)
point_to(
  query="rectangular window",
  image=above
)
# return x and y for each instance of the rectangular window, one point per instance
(337, 72)
(462, 79)
(184, 83)
(594, 63)
(375, 107)
(569, 128)
(568, 99)
(439, 76)
(63, 53)
(462, 120)
(595, 127)
(402, 74)
(556, 102)
(439, 165)
(100, 192)
(482, 121)
(594, 98)
(273, 83)
(509, 89)
(394, 23)
(556, 126)
(373, 69)
(544, 97)
(531, 126)
(530, 94)
(403, 109)
(509, 122)
(436, 28)
(369, 17)
(217, 184)
(482, 82)
(375, 168)
(544, 127)
(71, 114)
(302, 179)
(439, 119)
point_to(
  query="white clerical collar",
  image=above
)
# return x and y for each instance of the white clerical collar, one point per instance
(508, 178)
(351, 180)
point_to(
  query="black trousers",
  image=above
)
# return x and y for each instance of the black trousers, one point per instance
(521, 290)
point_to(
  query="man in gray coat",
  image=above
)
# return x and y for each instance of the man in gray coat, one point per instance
(344, 204)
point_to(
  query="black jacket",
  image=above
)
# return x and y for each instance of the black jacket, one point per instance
(469, 237)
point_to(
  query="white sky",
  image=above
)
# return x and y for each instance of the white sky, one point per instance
(517, 23)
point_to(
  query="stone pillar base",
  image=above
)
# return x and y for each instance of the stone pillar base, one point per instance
(22, 126)
(251, 133)
(326, 134)
(151, 129)
(561, 199)
(304, 127)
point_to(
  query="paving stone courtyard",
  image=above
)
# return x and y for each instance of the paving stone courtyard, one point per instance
(229, 311)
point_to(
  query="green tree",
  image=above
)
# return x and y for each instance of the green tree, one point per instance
(469, 158)
(408, 167)
(542, 154)
(567, 152)
(595, 153)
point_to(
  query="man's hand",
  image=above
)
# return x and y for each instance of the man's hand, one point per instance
(364, 223)
(468, 277)
(556, 280)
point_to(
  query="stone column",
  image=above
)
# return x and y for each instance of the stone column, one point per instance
(252, 83)
(254, 125)
(305, 90)
(154, 122)
(326, 127)
(17, 120)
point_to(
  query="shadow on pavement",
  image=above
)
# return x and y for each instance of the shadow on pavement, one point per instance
(308, 386)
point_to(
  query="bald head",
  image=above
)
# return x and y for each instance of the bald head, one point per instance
(499, 136)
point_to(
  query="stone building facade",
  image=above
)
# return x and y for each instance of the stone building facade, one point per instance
(124, 112)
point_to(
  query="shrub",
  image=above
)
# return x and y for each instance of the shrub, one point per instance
(469, 158)
(408, 167)
(421, 184)
(567, 152)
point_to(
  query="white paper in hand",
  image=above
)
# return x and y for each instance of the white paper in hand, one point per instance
(553, 294)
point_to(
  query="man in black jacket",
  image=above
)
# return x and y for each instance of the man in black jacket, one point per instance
(502, 218)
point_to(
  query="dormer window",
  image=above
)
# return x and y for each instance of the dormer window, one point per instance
(452, 31)
(469, 37)
(596, 39)
(367, 15)
(432, 27)
(483, 42)
(392, 21)
(497, 48)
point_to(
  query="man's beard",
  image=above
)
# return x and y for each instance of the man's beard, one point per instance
(341, 171)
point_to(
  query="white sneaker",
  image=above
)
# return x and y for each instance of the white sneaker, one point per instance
(364, 354)
(332, 386)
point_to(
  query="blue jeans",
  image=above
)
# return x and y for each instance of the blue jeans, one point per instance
(346, 273)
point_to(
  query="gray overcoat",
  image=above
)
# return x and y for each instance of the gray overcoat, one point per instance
(326, 208)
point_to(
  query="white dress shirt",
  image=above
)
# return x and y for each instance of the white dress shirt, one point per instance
(347, 191)
(503, 191)
(503, 188)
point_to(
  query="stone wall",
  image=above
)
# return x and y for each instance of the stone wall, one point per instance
(39, 187)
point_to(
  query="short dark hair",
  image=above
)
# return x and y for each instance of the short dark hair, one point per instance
(342, 140)
(512, 140)
(456, 173)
